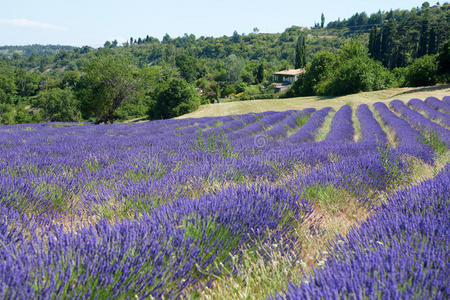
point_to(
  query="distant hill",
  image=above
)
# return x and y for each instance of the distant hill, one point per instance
(28, 50)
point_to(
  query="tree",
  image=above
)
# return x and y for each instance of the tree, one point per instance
(236, 37)
(189, 67)
(300, 53)
(322, 20)
(260, 73)
(423, 71)
(318, 70)
(388, 43)
(375, 43)
(58, 105)
(174, 98)
(443, 60)
(423, 40)
(234, 66)
(8, 88)
(106, 84)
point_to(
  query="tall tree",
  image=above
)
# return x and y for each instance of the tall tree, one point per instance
(375, 43)
(423, 40)
(260, 73)
(322, 20)
(388, 43)
(106, 84)
(300, 52)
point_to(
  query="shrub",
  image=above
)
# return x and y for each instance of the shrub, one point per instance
(423, 71)
(355, 75)
(58, 105)
(174, 98)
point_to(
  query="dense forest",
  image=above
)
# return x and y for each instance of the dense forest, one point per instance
(146, 77)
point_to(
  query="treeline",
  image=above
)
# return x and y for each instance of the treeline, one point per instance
(352, 70)
(29, 50)
(53, 87)
(363, 22)
(162, 79)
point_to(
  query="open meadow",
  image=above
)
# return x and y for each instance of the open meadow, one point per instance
(311, 200)
(299, 103)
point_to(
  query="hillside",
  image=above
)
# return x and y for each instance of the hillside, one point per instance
(299, 103)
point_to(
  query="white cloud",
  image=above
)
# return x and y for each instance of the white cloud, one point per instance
(30, 23)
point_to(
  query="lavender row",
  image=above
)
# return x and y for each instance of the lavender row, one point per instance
(407, 138)
(401, 252)
(342, 126)
(371, 131)
(154, 256)
(437, 104)
(419, 105)
(280, 130)
(419, 121)
(446, 99)
(307, 132)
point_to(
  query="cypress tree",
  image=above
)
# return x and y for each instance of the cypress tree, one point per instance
(423, 40)
(300, 53)
(432, 41)
(387, 43)
(375, 43)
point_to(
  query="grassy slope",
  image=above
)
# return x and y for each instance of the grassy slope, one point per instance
(243, 107)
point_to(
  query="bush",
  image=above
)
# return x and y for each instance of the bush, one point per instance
(355, 75)
(423, 71)
(58, 105)
(174, 98)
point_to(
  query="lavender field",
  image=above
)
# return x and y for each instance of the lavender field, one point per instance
(181, 208)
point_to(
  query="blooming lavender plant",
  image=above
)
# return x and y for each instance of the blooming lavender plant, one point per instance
(399, 252)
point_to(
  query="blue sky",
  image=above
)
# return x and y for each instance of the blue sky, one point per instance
(92, 22)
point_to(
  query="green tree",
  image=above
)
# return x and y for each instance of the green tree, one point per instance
(320, 68)
(300, 52)
(375, 43)
(388, 43)
(423, 71)
(443, 60)
(189, 67)
(8, 88)
(260, 73)
(174, 98)
(7, 114)
(358, 74)
(424, 36)
(234, 66)
(105, 85)
(322, 20)
(58, 105)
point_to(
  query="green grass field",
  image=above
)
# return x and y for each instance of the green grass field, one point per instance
(243, 107)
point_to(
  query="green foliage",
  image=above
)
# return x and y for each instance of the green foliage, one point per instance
(349, 71)
(8, 89)
(406, 35)
(58, 105)
(357, 75)
(328, 197)
(234, 66)
(300, 51)
(432, 139)
(423, 71)
(392, 165)
(443, 60)
(106, 84)
(189, 67)
(7, 114)
(174, 98)
(218, 143)
(319, 69)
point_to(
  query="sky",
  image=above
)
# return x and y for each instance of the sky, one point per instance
(92, 22)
